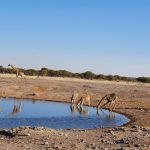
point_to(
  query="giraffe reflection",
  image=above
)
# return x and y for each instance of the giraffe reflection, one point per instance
(73, 108)
(110, 115)
(81, 109)
(1, 109)
(16, 108)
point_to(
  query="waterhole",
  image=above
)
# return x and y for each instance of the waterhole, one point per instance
(56, 115)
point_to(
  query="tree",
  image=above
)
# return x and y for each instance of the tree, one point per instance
(44, 71)
(2, 69)
(144, 79)
(31, 72)
(100, 76)
(88, 75)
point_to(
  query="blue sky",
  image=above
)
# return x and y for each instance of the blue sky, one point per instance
(102, 36)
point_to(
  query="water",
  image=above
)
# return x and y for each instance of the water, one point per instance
(14, 113)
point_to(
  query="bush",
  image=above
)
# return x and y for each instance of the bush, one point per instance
(2, 69)
(88, 75)
(109, 77)
(100, 77)
(44, 72)
(31, 72)
(144, 79)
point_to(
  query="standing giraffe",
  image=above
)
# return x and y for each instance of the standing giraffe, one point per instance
(17, 71)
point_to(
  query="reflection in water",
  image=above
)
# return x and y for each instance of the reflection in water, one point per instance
(73, 108)
(1, 109)
(17, 108)
(101, 114)
(83, 111)
(111, 116)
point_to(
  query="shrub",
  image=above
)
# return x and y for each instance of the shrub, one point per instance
(88, 75)
(144, 79)
(31, 72)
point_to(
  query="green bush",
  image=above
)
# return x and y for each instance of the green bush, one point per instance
(144, 79)
(100, 77)
(88, 75)
(31, 72)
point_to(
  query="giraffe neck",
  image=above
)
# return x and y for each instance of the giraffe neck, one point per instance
(14, 68)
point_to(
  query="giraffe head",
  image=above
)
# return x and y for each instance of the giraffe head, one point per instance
(9, 65)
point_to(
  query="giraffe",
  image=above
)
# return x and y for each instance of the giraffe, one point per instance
(83, 99)
(110, 99)
(17, 71)
(74, 97)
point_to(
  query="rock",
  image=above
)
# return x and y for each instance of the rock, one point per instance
(121, 149)
(137, 145)
(135, 126)
(93, 147)
(46, 143)
(120, 129)
(7, 133)
(66, 135)
(144, 129)
(23, 134)
(120, 141)
(144, 145)
(81, 140)
(27, 134)
(56, 147)
(87, 145)
(35, 94)
(26, 147)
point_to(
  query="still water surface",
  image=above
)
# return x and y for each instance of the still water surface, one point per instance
(14, 113)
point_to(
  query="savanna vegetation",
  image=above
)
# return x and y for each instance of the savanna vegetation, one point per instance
(86, 75)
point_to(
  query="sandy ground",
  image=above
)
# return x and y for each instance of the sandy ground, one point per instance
(134, 102)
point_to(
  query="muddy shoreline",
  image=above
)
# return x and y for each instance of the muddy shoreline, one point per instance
(134, 102)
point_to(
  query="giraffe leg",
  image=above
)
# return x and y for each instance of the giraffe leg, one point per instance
(80, 102)
(16, 75)
(111, 106)
(105, 104)
(114, 103)
(99, 104)
(89, 102)
(114, 106)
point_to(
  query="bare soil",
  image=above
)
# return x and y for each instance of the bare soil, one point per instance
(134, 102)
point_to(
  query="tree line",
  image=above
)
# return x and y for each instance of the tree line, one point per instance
(63, 73)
